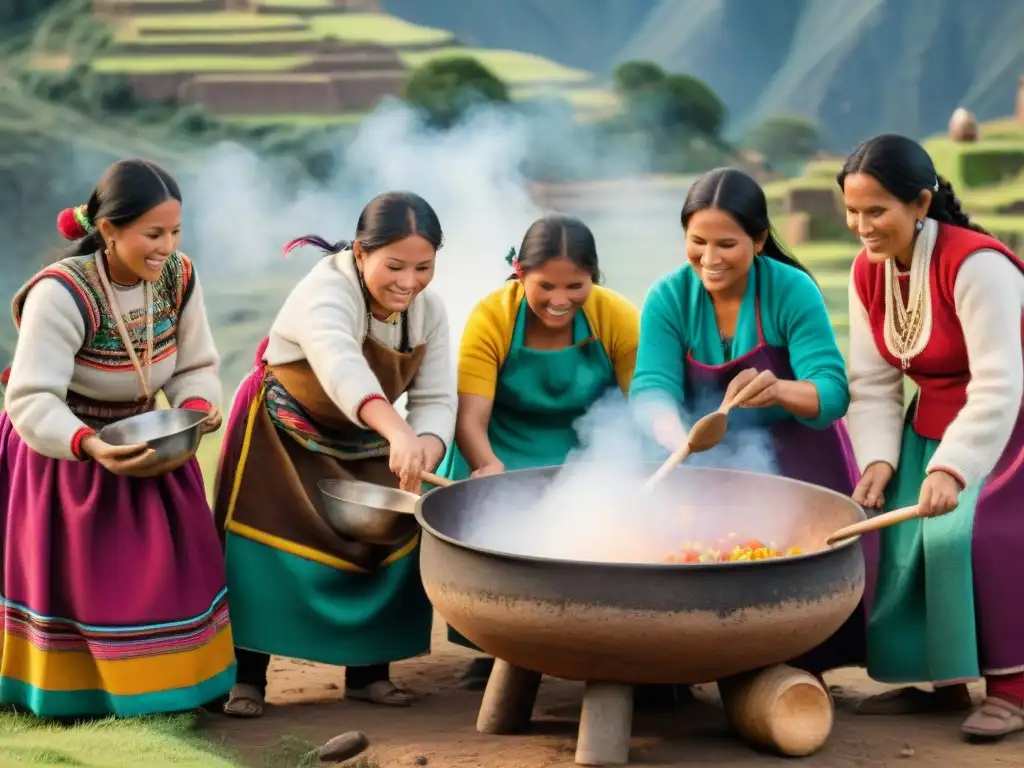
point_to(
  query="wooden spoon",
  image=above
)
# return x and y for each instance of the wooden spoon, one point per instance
(875, 523)
(440, 482)
(708, 431)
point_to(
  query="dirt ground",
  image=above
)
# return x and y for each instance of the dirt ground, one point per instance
(305, 702)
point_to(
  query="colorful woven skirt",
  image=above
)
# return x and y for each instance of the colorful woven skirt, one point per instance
(112, 594)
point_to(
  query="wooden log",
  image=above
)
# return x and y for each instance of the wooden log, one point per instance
(606, 725)
(507, 706)
(779, 708)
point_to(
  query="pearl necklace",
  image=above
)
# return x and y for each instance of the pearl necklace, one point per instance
(908, 325)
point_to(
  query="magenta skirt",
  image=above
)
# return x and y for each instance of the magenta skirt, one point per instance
(112, 591)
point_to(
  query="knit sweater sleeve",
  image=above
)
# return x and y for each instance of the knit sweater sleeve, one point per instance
(813, 352)
(432, 399)
(875, 416)
(658, 376)
(617, 323)
(485, 341)
(989, 298)
(197, 366)
(51, 333)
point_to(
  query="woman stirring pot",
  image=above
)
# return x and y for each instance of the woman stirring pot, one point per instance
(112, 586)
(935, 298)
(741, 306)
(355, 334)
(535, 356)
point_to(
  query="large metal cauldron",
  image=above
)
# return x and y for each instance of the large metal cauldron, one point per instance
(642, 621)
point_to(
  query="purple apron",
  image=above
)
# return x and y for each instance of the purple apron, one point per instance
(820, 456)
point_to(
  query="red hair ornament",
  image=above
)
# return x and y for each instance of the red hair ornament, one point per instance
(73, 223)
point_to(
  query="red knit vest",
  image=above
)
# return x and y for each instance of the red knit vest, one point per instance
(941, 371)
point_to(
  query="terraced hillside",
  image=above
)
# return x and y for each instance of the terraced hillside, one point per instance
(298, 60)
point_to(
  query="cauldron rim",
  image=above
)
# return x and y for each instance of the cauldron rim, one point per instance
(826, 551)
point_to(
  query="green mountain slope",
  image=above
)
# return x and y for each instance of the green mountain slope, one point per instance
(858, 67)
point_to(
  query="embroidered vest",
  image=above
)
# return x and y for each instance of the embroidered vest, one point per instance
(942, 370)
(103, 348)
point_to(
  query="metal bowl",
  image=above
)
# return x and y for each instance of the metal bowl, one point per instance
(172, 433)
(370, 513)
(588, 616)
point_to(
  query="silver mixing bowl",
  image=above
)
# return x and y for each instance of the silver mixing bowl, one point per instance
(173, 433)
(369, 513)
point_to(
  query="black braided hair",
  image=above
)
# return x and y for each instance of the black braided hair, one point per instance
(946, 208)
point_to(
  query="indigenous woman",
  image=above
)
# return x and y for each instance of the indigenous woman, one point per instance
(935, 298)
(535, 355)
(356, 333)
(113, 588)
(742, 305)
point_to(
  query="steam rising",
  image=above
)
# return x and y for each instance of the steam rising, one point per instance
(472, 177)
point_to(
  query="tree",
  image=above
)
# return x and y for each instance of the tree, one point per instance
(445, 89)
(785, 139)
(671, 105)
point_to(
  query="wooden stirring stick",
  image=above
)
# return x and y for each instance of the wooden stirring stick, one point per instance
(708, 431)
(875, 523)
(440, 482)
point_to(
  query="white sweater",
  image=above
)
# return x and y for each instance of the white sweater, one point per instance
(324, 321)
(989, 300)
(44, 369)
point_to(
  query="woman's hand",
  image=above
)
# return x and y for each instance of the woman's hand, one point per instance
(494, 468)
(739, 381)
(125, 460)
(940, 494)
(870, 491)
(212, 422)
(434, 451)
(408, 460)
(765, 394)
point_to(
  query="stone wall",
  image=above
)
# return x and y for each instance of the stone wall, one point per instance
(322, 94)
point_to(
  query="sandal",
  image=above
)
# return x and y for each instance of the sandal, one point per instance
(245, 701)
(994, 719)
(382, 692)
(913, 701)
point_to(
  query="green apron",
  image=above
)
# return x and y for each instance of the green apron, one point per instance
(922, 624)
(539, 396)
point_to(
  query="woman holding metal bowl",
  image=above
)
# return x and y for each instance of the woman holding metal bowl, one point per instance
(112, 587)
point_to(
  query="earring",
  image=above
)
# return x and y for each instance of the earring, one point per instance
(918, 225)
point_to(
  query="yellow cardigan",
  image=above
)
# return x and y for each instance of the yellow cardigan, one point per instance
(613, 320)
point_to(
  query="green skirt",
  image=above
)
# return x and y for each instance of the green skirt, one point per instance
(922, 623)
(286, 605)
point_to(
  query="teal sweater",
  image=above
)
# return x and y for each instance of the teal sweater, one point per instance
(678, 316)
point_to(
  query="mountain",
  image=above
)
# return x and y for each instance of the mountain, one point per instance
(857, 67)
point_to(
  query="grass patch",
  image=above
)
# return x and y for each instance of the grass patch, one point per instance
(579, 98)
(110, 743)
(175, 64)
(298, 119)
(513, 67)
(295, 3)
(242, 38)
(378, 28)
(228, 21)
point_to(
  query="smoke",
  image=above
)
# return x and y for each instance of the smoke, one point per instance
(597, 509)
(473, 178)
